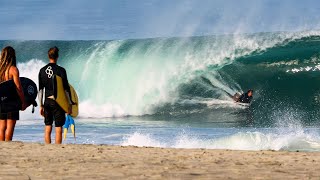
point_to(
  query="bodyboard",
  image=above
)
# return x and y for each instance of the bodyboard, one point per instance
(236, 97)
(9, 98)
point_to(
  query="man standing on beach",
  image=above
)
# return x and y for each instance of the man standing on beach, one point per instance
(50, 109)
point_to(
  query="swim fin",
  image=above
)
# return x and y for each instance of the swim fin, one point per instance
(73, 126)
(69, 123)
(65, 128)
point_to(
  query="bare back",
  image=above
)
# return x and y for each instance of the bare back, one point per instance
(8, 75)
(13, 73)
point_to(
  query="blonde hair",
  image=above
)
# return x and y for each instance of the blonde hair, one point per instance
(7, 59)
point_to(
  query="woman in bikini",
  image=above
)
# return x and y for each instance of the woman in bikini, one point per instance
(8, 71)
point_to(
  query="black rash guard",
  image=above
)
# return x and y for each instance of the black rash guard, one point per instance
(244, 98)
(46, 78)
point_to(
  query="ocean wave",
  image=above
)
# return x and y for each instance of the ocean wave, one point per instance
(137, 77)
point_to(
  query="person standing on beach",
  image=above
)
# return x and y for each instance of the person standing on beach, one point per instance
(8, 71)
(50, 109)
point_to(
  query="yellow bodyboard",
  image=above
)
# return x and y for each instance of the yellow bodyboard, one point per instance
(61, 98)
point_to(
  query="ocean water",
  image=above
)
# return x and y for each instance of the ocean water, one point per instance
(174, 92)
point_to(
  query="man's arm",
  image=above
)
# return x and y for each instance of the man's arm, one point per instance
(40, 94)
(67, 90)
(241, 98)
(65, 81)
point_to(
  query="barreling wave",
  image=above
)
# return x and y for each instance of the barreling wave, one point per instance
(155, 76)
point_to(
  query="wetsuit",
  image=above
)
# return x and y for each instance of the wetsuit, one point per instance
(52, 111)
(244, 98)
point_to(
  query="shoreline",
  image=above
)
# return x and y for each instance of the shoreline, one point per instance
(21, 160)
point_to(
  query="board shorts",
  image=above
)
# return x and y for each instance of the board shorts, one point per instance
(53, 112)
(10, 115)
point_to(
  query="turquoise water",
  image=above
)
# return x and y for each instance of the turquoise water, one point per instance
(174, 92)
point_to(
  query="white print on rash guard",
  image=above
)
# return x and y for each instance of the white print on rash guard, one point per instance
(49, 71)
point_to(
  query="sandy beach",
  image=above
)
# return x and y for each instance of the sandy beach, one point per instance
(38, 161)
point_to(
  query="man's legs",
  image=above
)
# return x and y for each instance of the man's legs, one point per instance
(47, 134)
(60, 119)
(58, 135)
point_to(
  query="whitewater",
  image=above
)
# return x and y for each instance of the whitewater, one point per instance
(175, 92)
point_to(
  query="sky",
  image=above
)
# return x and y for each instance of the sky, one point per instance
(132, 19)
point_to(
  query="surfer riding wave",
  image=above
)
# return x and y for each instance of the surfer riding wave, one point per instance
(243, 98)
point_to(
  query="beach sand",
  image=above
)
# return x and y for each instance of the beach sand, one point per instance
(38, 161)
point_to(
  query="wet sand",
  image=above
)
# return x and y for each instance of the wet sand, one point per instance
(38, 161)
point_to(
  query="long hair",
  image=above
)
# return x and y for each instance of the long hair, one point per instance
(7, 59)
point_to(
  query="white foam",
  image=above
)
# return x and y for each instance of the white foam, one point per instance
(305, 69)
(30, 69)
(89, 109)
(214, 103)
(290, 140)
(288, 134)
(139, 139)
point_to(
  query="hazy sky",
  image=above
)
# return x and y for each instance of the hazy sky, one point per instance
(122, 19)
